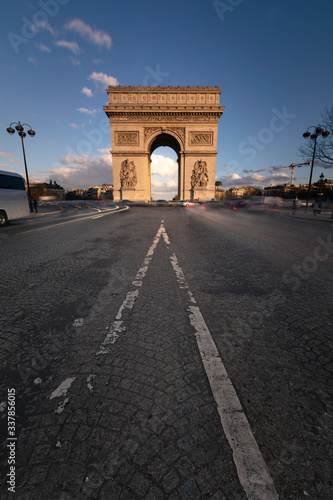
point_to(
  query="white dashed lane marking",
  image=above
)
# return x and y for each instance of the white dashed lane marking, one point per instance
(252, 471)
(117, 326)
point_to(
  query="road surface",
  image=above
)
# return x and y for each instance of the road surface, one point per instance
(164, 352)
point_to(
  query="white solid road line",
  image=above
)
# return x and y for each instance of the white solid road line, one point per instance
(251, 468)
(117, 326)
(71, 221)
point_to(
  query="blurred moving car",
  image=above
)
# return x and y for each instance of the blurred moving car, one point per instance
(212, 204)
(185, 203)
(162, 203)
(238, 204)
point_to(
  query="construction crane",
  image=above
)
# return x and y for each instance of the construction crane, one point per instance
(291, 167)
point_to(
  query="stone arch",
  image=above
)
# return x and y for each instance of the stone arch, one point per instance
(183, 118)
(171, 139)
(174, 138)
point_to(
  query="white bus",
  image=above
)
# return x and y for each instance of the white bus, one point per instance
(13, 197)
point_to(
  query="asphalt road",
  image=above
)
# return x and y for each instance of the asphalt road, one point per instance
(109, 321)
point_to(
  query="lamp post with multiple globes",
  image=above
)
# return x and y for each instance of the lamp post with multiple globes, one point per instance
(20, 129)
(318, 131)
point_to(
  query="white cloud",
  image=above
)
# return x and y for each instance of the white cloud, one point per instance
(42, 47)
(97, 61)
(164, 180)
(104, 79)
(280, 177)
(104, 150)
(87, 111)
(75, 125)
(75, 61)
(87, 92)
(32, 60)
(79, 171)
(163, 166)
(97, 37)
(41, 24)
(164, 191)
(164, 186)
(232, 180)
(72, 46)
(234, 177)
(6, 155)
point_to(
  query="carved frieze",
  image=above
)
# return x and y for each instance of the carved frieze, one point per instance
(152, 98)
(180, 131)
(149, 131)
(127, 138)
(150, 117)
(133, 98)
(201, 138)
(199, 174)
(128, 175)
(211, 99)
(172, 98)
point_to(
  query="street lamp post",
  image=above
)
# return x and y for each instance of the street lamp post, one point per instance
(20, 129)
(321, 177)
(319, 130)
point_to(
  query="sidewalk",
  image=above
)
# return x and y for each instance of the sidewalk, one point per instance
(324, 216)
(42, 211)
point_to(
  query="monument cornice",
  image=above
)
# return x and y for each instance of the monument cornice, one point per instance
(160, 114)
(163, 112)
(149, 88)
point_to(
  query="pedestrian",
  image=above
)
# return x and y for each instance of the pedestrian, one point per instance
(320, 206)
(294, 206)
(315, 208)
(35, 205)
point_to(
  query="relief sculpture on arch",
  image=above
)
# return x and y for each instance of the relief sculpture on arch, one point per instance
(128, 176)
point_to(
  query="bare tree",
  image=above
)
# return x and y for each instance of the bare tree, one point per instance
(324, 149)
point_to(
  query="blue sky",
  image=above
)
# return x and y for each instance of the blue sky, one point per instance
(272, 61)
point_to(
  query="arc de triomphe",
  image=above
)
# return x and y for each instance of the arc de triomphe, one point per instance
(145, 118)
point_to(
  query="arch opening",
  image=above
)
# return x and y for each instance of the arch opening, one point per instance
(164, 153)
(164, 139)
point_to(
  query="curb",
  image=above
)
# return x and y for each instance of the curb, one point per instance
(314, 217)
